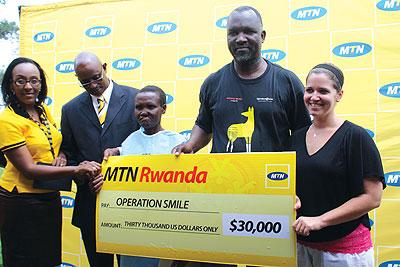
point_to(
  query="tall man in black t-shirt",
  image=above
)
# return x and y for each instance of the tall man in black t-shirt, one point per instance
(250, 104)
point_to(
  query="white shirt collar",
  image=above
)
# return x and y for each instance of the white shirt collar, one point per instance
(106, 94)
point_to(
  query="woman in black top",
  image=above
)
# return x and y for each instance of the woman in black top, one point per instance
(339, 179)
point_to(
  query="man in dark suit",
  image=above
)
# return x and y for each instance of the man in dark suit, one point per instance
(100, 118)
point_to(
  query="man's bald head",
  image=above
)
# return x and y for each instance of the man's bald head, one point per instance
(91, 73)
(242, 9)
(85, 58)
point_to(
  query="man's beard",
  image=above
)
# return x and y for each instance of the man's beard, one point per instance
(245, 58)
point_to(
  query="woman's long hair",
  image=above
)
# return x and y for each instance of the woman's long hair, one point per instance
(9, 95)
(6, 85)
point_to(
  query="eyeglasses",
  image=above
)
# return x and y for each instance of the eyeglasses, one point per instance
(22, 82)
(95, 80)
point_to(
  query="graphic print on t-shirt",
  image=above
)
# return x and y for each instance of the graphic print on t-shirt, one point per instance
(244, 130)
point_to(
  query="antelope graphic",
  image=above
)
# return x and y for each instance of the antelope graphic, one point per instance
(244, 130)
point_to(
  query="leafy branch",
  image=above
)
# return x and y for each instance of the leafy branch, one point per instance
(8, 30)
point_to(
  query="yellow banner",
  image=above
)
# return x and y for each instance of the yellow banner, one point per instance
(361, 37)
(224, 208)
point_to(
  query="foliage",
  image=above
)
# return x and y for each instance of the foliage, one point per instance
(8, 30)
(2, 70)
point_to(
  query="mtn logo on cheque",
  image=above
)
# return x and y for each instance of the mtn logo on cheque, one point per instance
(161, 27)
(65, 67)
(98, 31)
(126, 64)
(277, 176)
(391, 90)
(67, 202)
(194, 61)
(308, 13)
(395, 263)
(65, 264)
(389, 5)
(352, 49)
(43, 37)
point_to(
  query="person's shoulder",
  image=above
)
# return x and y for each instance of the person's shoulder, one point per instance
(216, 76)
(6, 114)
(172, 133)
(174, 137)
(125, 88)
(355, 129)
(47, 112)
(133, 135)
(131, 143)
(76, 100)
(45, 108)
(9, 117)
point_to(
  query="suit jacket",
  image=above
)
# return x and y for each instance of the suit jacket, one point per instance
(84, 139)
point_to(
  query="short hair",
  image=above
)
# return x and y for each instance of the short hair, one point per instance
(6, 85)
(157, 90)
(333, 72)
(249, 8)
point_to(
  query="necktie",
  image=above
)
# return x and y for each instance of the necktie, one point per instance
(101, 111)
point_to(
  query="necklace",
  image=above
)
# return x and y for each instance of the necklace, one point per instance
(32, 118)
(46, 129)
(322, 132)
(313, 133)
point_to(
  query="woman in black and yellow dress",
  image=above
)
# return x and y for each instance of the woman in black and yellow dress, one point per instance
(30, 218)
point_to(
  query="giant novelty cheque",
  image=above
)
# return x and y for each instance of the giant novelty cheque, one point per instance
(227, 208)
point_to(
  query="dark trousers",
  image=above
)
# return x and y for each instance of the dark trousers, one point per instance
(30, 229)
(95, 259)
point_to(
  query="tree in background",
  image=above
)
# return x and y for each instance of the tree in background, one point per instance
(9, 31)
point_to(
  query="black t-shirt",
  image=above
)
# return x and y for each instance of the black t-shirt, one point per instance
(333, 175)
(260, 112)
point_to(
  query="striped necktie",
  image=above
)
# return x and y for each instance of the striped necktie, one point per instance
(101, 111)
